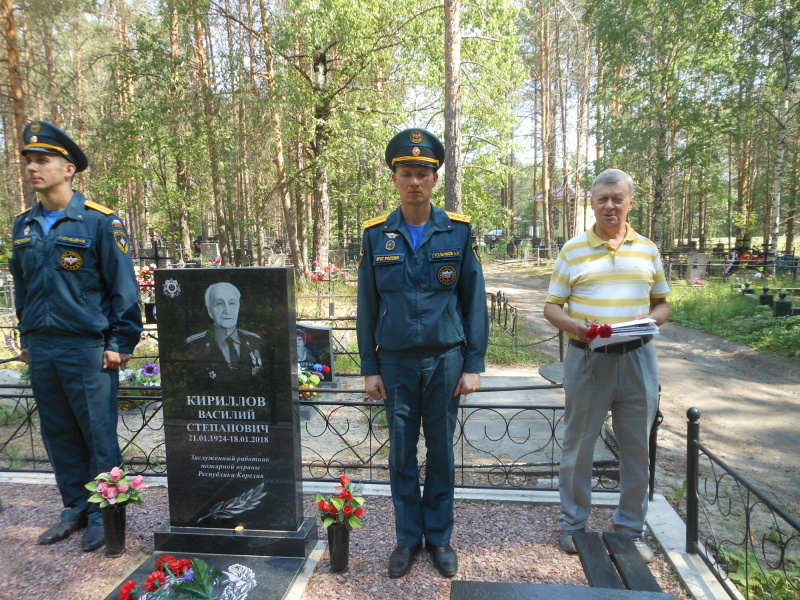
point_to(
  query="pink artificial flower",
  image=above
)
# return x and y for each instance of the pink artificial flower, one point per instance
(314, 263)
(111, 494)
(102, 487)
(122, 488)
(136, 482)
(116, 473)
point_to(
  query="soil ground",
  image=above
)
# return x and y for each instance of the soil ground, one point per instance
(748, 400)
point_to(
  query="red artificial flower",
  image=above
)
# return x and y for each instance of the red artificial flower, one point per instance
(606, 331)
(180, 566)
(333, 510)
(323, 506)
(155, 580)
(344, 479)
(346, 495)
(593, 332)
(125, 592)
(359, 511)
(326, 369)
(163, 560)
(348, 510)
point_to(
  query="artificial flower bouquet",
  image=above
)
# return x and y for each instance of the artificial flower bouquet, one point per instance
(595, 330)
(174, 578)
(114, 488)
(345, 508)
(311, 379)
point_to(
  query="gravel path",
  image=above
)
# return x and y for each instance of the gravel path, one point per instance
(509, 542)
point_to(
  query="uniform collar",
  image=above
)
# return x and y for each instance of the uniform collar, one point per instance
(438, 220)
(595, 241)
(74, 210)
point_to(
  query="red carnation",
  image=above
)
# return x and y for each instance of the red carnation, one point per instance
(359, 511)
(155, 580)
(126, 591)
(606, 331)
(180, 566)
(348, 510)
(593, 332)
(163, 561)
(326, 369)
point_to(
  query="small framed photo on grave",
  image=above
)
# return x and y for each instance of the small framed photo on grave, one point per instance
(315, 350)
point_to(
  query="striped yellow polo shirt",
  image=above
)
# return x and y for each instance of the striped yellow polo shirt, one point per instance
(605, 285)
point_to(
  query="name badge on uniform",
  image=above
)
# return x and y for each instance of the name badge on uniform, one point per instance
(23, 241)
(451, 254)
(386, 259)
(72, 241)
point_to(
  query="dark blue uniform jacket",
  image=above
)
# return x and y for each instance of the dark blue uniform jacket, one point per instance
(424, 302)
(75, 286)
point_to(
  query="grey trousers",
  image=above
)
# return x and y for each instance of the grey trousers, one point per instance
(627, 385)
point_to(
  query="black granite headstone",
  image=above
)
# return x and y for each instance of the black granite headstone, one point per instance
(228, 364)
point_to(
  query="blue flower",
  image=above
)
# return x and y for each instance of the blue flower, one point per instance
(149, 369)
(317, 367)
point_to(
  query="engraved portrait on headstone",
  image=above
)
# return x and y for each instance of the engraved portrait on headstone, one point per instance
(227, 351)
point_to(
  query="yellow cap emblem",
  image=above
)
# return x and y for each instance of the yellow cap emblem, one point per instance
(416, 136)
(35, 127)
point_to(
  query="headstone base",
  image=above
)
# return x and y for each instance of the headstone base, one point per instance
(248, 542)
(274, 575)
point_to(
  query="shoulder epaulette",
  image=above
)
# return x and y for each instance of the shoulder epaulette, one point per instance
(458, 217)
(250, 334)
(99, 207)
(195, 337)
(18, 215)
(375, 221)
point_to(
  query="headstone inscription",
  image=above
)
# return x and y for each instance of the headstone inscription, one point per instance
(228, 363)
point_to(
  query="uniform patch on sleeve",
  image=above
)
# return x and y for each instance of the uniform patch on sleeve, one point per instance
(475, 251)
(121, 240)
(116, 223)
(23, 241)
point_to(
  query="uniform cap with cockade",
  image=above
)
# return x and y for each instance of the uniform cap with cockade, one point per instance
(41, 136)
(415, 147)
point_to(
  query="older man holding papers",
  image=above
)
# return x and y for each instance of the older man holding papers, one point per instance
(608, 275)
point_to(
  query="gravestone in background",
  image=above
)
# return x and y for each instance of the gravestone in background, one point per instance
(232, 436)
(315, 348)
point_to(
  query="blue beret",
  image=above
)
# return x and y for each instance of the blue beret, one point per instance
(415, 147)
(41, 136)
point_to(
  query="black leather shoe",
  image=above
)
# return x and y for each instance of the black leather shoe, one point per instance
(444, 559)
(93, 538)
(61, 531)
(401, 559)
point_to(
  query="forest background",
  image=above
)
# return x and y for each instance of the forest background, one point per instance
(245, 121)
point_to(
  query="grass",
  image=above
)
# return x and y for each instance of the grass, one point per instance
(717, 308)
